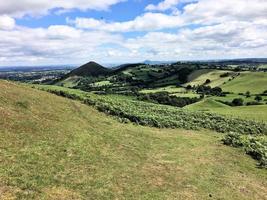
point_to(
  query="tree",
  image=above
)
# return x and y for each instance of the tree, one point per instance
(258, 98)
(238, 102)
(207, 81)
(247, 94)
(188, 87)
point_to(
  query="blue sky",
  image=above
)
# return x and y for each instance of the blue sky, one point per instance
(47, 32)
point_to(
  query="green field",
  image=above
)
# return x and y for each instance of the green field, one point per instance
(170, 89)
(255, 82)
(55, 148)
(257, 113)
(69, 82)
(200, 76)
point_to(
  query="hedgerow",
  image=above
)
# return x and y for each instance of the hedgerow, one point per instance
(162, 116)
(255, 146)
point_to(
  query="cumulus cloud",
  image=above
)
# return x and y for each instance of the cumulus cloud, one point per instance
(162, 6)
(146, 22)
(203, 29)
(39, 7)
(60, 44)
(203, 12)
(225, 40)
(210, 11)
(6, 22)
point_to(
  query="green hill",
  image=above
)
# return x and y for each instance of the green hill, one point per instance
(256, 113)
(255, 82)
(89, 69)
(56, 148)
(199, 77)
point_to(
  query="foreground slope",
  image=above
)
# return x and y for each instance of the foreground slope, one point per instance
(55, 148)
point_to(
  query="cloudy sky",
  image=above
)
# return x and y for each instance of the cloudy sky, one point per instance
(115, 31)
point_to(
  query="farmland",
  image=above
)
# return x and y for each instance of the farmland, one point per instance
(93, 155)
(136, 132)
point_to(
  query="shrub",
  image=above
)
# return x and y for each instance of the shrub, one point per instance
(150, 114)
(237, 102)
(224, 75)
(233, 139)
(207, 81)
(258, 98)
(254, 146)
(251, 103)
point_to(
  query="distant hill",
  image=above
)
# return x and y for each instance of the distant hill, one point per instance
(126, 66)
(89, 69)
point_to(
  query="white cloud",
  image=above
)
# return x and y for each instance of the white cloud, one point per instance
(19, 8)
(203, 12)
(225, 40)
(6, 22)
(162, 6)
(210, 11)
(56, 44)
(146, 22)
(224, 29)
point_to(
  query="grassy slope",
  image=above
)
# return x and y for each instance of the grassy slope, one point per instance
(200, 76)
(69, 82)
(56, 148)
(255, 82)
(258, 113)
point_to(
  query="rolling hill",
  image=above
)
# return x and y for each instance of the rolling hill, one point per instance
(89, 69)
(56, 148)
(255, 82)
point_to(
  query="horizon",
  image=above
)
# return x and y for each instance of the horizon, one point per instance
(110, 65)
(130, 31)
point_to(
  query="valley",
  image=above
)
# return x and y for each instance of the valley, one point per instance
(136, 131)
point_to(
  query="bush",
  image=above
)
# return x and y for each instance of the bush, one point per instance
(157, 115)
(224, 75)
(237, 102)
(258, 151)
(207, 81)
(252, 103)
(254, 146)
(258, 98)
(233, 139)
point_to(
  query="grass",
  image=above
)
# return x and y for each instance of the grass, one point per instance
(56, 148)
(188, 94)
(255, 82)
(170, 89)
(257, 113)
(156, 115)
(101, 83)
(230, 97)
(199, 77)
(70, 81)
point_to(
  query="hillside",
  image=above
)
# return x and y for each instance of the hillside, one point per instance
(255, 82)
(257, 113)
(56, 148)
(89, 69)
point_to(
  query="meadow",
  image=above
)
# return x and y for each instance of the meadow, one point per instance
(57, 148)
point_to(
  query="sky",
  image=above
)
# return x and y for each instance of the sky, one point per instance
(52, 32)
